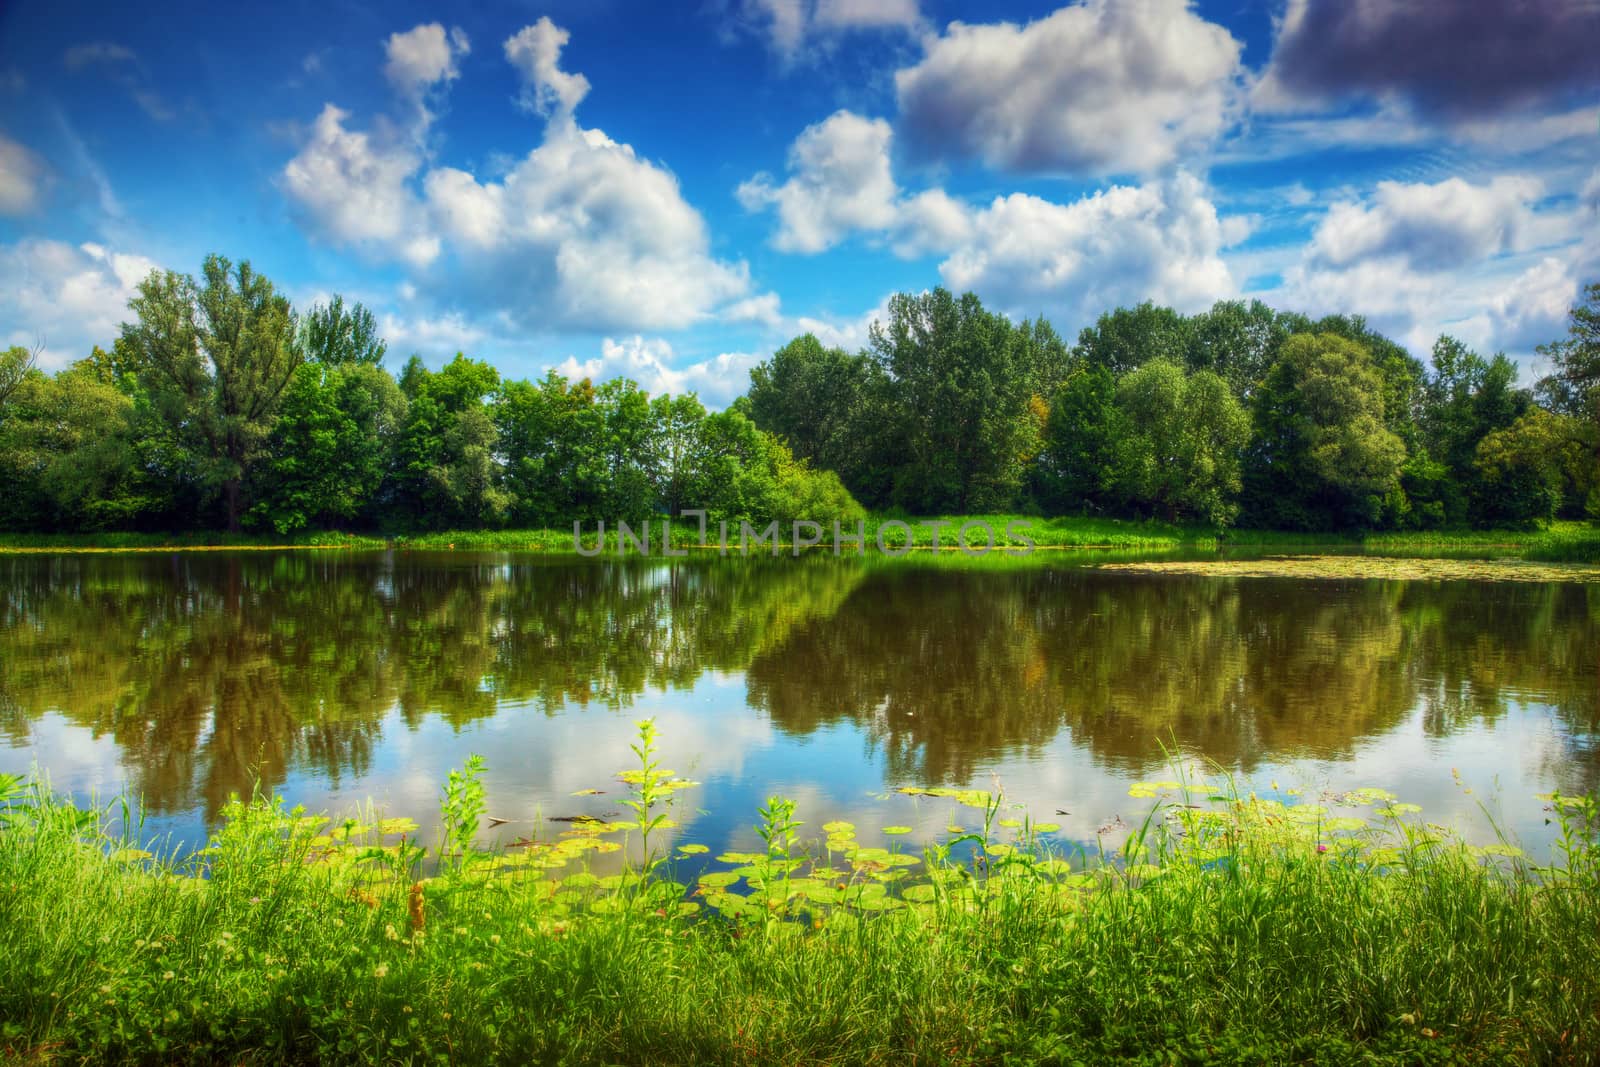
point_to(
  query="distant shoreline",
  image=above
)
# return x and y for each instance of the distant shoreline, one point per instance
(1560, 541)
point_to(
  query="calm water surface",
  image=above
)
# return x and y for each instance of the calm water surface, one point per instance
(338, 677)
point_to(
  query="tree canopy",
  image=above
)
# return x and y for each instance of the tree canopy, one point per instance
(218, 404)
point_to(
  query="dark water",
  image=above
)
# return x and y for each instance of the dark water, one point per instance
(337, 677)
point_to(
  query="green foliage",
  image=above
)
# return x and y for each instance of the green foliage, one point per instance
(219, 393)
(15, 363)
(444, 455)
(1321, 455)
(1576, 357)
(1078, 462)
(214, 360)
(67, 452)
(461, 807)
(1543, 458)
(1225, 928)
(1181, 457)
(961, 381)
(328, 454)
(1126, 339)
(336, 337)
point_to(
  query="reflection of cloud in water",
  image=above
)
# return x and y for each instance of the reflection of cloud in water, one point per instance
(342, 676)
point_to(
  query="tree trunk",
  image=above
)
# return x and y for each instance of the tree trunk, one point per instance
(230, 498)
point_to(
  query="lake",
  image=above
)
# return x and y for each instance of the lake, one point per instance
(335, 677)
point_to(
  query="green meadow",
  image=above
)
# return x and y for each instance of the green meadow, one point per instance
(1225, 928)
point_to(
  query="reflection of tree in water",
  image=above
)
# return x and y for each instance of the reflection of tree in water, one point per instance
(951, 669)
(208, 669)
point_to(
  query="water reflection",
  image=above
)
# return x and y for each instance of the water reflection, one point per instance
(206, 670)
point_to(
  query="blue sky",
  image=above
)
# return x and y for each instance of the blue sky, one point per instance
(671, 191)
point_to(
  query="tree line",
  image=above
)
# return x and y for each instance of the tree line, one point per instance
(220, 405)
(1238, 414)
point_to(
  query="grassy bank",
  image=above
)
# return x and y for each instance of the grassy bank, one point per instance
(1225, 929)
(1560, 541)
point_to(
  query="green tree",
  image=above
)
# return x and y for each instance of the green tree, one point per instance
(335, 336)
(444, 469)
(1180, 455)
(832, 409)
(675, 450)
(15, 363)
(330, 447)
(624, 438)
(549, 438)
(214, 359)
(1542, 458)
(1573, 388)
(1077, 465)
(961, 384)
(1238, 341)
(1127, 338)
(67, 455)
(1464, 399)
(1320, 454)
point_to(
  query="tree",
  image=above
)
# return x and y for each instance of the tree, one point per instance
(625, 427)
(1127, 338)
(549, 440)
(1238, 341)
(67, 455)
(960, 383)
(675, 449)
(832, 409)
(331, 335)
(1180, 455)
(330, 447)
(1531, 466)
(215, 360)
(1321, 455)
(15, 363)
(1574, 386)
(444, 468)
(1077, 465)
(1464, 399)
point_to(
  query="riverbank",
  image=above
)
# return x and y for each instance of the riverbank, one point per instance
(1225, 929)
(1560, 541)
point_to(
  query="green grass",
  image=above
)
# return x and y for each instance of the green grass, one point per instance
(1228, 929)
(1560, 541)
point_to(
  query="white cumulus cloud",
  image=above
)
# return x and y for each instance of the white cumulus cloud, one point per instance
(1423, 258)
(354, 188)
(651, 363)
(795, 28)
(839, 182)
(1095, 88)
(580, 233)
(536, 53)
(423, 57)
(68, 298)
(1159, 241)
(1428, 226)
(1533, 308)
